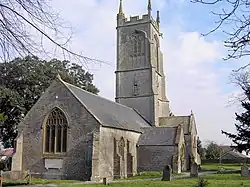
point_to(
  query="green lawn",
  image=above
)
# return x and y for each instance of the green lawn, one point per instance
(148, 175)
(214, 180)
(218, 180)
(216, 166)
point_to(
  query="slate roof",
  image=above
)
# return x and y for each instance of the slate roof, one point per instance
(174, 121)
(228, 150)
(237, 154)
(159, 136)
(109, 113)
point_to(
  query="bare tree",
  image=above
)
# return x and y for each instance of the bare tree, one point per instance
(26, 26)
(235, 13)
(240, 79)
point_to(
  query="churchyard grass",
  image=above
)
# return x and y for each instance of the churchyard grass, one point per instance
(215, 180)
(148, 175)
(217, 166)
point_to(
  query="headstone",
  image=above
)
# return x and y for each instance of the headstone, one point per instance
(245, 171)
(194, 170)
(166, 176)
(104, 181)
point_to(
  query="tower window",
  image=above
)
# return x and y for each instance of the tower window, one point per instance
(138, 45)
(55, 132)
(135, 88)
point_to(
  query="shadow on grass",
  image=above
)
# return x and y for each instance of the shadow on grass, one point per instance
(14, 184)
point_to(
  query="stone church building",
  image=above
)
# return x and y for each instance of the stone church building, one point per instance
(73, 134)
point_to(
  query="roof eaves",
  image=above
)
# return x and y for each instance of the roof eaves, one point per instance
(123, 129)
(142, 117)
(98, 120)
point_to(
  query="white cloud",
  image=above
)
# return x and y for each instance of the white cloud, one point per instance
(192, 80)
(194, 83)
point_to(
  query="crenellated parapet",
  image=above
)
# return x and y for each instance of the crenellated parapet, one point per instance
(122, 20)
(140, 19)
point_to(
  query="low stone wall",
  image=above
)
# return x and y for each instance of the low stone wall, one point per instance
(226, 161)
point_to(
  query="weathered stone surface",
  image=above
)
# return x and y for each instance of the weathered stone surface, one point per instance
(116, 161)
(81, 126)
(166, 176)
(140, 73)
(194, 170)
(154, 158)
(245, 171)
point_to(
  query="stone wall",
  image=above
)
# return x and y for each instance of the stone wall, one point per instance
(17, 157)
(226, 161)
(114, 161)
(140, 68)
(15, 175)
(79, 140)
(154, 158)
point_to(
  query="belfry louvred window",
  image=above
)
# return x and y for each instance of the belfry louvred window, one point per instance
(55, 132)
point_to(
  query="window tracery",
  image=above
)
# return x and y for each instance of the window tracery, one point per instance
(55, 132)
(138, 45)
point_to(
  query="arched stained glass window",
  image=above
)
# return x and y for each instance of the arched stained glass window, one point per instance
(55, 132)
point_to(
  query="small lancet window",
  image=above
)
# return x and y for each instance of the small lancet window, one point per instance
(135, 88)
(121, 147)
(55, 132)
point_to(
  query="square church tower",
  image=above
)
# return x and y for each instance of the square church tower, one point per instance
(140, 79)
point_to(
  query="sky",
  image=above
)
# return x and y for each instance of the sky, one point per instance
(197, 78)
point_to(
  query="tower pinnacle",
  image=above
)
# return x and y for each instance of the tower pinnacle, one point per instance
(120, 9)
(149, 8)
(158, 18)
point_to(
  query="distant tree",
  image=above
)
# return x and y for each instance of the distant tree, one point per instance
(10, 102)
(24, 80)
(213, 151)
(200, 149)
(235, 14)
(1, 117)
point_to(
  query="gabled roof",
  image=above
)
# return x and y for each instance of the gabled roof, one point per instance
(188, 122)
(174, 121)
(226, 148)
(108, 113)
(167, 136)
(229, 150)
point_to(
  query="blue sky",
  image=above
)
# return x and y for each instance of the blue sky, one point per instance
(197, 77)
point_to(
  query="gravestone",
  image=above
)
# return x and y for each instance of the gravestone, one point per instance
(104, 181)
(194, 170)
(166, 176)
(245, 171)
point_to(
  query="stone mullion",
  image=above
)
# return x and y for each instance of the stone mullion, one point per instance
(50, 137)
(56, 133)
(62, 129)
